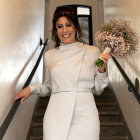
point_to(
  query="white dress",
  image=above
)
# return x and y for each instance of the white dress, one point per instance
(72, 78)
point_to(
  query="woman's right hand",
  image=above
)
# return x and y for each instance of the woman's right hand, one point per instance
(23, 94)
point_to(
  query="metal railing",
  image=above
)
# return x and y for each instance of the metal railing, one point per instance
(131, 87)
(15, 106)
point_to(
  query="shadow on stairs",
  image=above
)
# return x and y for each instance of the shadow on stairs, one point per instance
(112, 123)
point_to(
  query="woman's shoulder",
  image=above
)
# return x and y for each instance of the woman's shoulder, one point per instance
(50, 52)
(91, 48)
(49, 56)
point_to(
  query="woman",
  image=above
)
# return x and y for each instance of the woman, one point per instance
(72, 78)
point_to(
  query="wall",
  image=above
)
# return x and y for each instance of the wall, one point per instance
(54, 3)
(21, 27)
(126, 9)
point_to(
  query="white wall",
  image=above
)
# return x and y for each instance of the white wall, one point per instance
(130, 10)
(21, 27)
(52, 4)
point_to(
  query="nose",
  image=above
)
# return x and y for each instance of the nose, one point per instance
(64, 29)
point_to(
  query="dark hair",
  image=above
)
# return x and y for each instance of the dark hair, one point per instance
(71, 15)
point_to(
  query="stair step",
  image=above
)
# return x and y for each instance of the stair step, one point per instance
(114, 138)
(41, 105)
(104, 100)
(41, 110)
(39, 114)
(105, 104)
(37, 131)
(43, 102)
(101, 138)
(111, 124)
(99, 102)
(37, 119)
(37, 124)
(111, 113)
(113, 131)
(36, 138)
(110, 118)
(109, 108)
(103, 124)
(105, 95)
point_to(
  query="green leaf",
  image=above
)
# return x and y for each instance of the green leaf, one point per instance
(99, 62)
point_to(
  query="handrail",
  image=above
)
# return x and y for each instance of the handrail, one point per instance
(15, 106)
(131, 87)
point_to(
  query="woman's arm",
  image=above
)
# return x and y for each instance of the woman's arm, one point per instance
(44, 88)
(39, 89)
(101, 79)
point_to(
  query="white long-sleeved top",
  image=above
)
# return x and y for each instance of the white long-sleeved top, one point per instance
(70, 71)
(69, 67)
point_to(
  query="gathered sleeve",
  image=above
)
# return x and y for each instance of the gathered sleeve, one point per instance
(100, 82)
(45, 88)
(100, 79)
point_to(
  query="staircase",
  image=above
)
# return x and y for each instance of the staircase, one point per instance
(113, 126)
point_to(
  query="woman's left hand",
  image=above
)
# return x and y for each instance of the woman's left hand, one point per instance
(105, 57)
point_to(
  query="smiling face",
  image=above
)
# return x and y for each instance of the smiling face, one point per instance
(65, 30)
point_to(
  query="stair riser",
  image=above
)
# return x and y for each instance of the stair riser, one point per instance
(110, 118)
(37, 131)
(115, 131)
(114, 138)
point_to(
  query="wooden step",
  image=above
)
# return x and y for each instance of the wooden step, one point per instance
(98, 104)
(101, 138)
(36, 138)
(39, 114)
(105, 104)
(110, 118)
(113, 131)
(43, 102)
(114, 138)
(38, 119)
(107, 113)
(103, 124)
(108, 108)
(103, 95)
(37, 124)
(111, 124)
(37, 131)
(104, 112)
(104, 100)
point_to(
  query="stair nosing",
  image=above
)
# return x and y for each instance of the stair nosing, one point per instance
(37, 124)
(111, 124)
(113, 137)
(109, 113)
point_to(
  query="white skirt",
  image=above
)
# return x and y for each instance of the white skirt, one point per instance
(71, 116)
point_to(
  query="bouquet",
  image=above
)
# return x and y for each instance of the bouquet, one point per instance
(118, 38)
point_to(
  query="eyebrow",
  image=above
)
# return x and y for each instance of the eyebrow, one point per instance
(65, 23)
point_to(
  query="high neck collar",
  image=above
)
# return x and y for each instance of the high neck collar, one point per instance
(71, 45)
